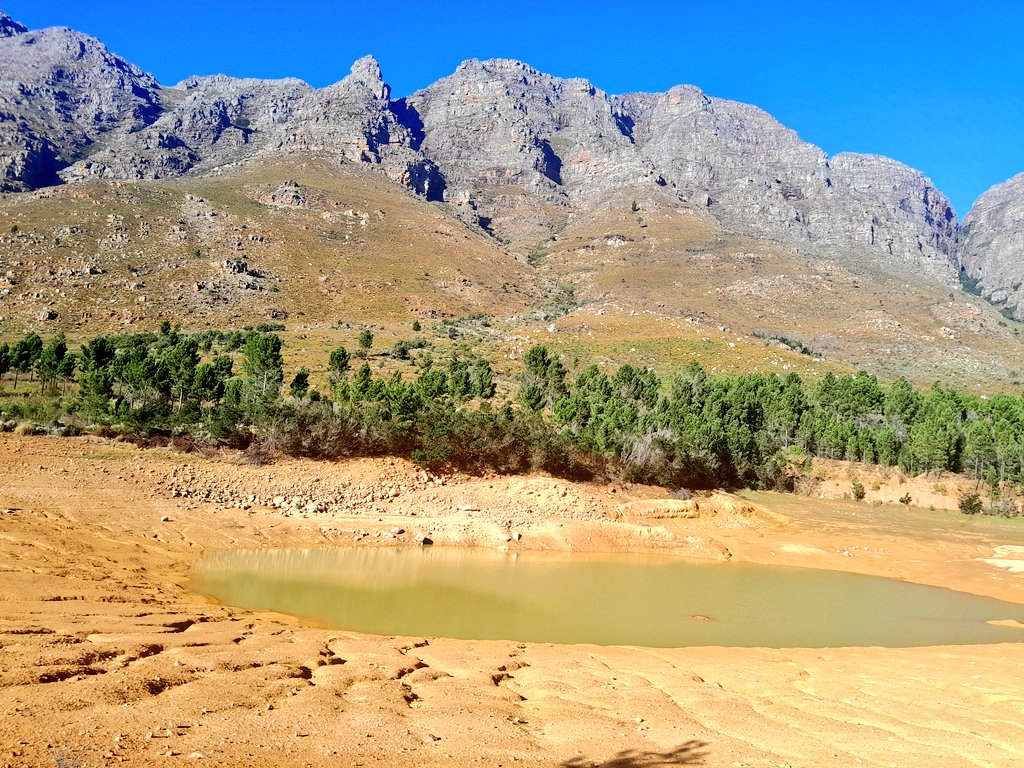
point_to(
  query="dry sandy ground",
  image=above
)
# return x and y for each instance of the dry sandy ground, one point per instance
(106, 658)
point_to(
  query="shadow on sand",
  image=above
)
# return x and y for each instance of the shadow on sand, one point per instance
(692, 752)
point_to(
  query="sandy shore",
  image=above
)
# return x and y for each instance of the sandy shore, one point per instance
(106, 658)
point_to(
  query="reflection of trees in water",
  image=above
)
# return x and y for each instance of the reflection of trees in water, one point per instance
(692, 752)
(397, 567)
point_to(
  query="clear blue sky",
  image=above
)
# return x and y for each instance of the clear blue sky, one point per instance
(937, 85)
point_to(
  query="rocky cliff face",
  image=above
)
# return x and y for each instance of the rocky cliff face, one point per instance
(513, 148)
(500, 126)
(216, 120)
(518, 148)
(756, 176)
(992, 245)
(60, 91)
(9, 27)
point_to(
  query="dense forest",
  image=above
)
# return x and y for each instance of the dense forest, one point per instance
(693, 430)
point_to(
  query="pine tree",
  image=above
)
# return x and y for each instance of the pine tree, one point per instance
(263, 368)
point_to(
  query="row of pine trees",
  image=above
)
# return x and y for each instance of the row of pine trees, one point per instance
(693, 429)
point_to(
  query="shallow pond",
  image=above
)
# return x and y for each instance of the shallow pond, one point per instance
(601, 599)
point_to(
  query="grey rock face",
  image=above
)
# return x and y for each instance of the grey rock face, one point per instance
(503, 123)
(497, 127)
(217, 120)
(992, 244)
(60, 91)
(758, 177)
(10, 27)
(212, 120)
(353, 118)
(889, 206)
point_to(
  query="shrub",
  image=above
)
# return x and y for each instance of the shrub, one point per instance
(300, 384)
(858, 490)
(970, 504)
(400, 351)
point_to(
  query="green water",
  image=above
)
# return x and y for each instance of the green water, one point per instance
(600, 599)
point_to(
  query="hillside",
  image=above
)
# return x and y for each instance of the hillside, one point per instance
(315, 245)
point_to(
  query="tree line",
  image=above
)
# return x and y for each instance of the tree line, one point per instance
(690, 429)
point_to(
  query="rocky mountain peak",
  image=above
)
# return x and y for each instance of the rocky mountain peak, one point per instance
(497, 126)
(992, 244)
(366, 69)
(498, 66)
(366, 74)
(9, 27)
(60, 90)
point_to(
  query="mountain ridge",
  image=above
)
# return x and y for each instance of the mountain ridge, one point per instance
(511, 150)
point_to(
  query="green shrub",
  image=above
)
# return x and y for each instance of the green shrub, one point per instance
(970, 504)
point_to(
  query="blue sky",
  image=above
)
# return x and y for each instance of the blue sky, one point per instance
(937, 85)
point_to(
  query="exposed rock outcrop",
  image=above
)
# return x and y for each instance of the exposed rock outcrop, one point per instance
(497, 126)
(213, 120)
(287, 195)
(60, 90)
(758, 177)
(353, 118)
(9, 27)
(219, 120)
(992, 245)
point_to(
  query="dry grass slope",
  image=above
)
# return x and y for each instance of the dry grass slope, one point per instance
(344, 249)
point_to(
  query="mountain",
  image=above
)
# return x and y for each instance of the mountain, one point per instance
(992, 245)
(499, 191)
(60, 92)
(513, 148)
(498, 126)
(215, 121)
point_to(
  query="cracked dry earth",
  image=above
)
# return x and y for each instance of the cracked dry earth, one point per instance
(107, 659)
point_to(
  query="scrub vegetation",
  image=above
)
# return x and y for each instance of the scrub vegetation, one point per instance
(691, 429)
